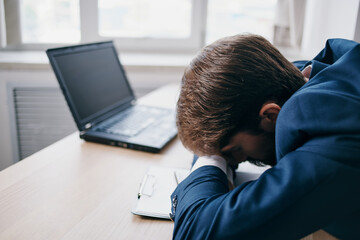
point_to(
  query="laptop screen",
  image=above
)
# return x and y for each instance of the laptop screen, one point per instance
(93, 79)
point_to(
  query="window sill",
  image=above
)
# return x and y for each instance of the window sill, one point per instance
(37, 60)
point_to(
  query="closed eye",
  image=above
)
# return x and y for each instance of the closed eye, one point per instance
(235, 149)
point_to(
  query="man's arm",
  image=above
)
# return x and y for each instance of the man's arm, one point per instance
(301, 194)
(216, 161)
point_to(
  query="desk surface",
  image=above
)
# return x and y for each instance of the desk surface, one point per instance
(80, 190)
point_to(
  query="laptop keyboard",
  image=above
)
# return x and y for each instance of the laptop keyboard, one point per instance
(132, 121)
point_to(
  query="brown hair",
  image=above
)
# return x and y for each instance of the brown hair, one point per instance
(225, 86)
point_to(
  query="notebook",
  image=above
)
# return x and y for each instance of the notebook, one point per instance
(102, 101)
(153, 199)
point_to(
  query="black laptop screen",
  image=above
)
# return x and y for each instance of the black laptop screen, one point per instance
(94, 80)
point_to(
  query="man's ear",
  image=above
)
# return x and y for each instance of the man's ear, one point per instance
(268, 114)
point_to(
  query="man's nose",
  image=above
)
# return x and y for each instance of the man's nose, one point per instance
(239, 156)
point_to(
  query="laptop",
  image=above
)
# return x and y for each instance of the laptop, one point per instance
(102, 101)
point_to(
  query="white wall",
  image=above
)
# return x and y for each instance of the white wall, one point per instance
(326, 19)
(21, 78)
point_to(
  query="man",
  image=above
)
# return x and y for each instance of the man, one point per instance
(242, 100)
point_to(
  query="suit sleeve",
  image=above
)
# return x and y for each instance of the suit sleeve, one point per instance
(301, 194)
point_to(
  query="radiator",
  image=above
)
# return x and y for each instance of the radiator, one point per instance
(42, 118)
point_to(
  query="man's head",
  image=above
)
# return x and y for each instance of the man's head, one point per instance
(235, 85)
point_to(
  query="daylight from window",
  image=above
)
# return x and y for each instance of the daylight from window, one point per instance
(238, 16)
(51, 21)
(145, 19)
(58, 21)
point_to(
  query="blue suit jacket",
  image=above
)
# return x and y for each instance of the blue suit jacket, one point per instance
(316, 181)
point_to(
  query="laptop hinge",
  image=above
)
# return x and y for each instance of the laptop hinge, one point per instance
(88, 126)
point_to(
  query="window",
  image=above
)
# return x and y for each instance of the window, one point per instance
(136, 25)
(50, 21)
(158, 25)
(231, 17)
(144, 18)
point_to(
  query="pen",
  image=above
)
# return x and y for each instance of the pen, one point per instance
(142, 186)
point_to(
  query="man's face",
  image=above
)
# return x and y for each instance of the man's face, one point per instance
(253, 148)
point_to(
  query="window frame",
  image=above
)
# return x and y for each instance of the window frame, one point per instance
(10, 32)
(2, 25)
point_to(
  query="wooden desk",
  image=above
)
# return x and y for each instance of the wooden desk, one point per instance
(80, 190)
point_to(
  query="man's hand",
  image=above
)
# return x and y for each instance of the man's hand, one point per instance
(306, 73)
